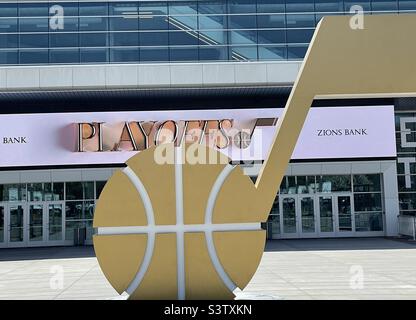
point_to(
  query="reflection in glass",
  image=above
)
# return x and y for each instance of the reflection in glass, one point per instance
(289, 215)
(338, 183)
(55, 222)
(307, 214)
(35, 191)
(16, 223)
(368, 221)
(344, 213)
(35, 222)
(367, 202)
(326, 214)
(367, 182)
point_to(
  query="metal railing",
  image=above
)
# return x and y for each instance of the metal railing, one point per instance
(407, 226)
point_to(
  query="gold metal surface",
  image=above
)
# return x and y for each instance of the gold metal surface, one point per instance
(340, 62)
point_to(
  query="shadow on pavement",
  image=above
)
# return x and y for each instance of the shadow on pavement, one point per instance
(338, 244)
(16, 254)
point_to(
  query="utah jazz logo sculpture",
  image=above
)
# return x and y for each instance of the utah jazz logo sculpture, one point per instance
(192, 231)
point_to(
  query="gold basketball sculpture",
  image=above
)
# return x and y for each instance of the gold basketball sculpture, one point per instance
(186, 230)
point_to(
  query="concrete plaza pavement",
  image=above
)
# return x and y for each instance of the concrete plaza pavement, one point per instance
(355, 268)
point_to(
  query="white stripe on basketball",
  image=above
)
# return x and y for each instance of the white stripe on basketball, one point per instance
(180, 243)
(249, 226)
(208, 220)
(150, 235)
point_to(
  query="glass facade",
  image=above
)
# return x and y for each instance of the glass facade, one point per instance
(406, 161)
(326, 204)
(163, 31)
(79, 202)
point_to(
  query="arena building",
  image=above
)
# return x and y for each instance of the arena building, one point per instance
(84, 85)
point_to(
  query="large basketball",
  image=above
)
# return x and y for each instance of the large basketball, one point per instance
(185, 229)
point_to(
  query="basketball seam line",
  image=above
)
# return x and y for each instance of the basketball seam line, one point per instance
(208, 234)
(151, 235)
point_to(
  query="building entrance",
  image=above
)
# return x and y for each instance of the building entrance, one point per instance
(32, 224)
(311, 216)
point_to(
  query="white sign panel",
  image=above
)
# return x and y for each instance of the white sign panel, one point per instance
(243, 134)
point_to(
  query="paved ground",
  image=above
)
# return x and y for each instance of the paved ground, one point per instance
(291, 269)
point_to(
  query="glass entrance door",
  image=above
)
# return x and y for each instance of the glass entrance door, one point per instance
(289, 217)
(36, 224)
(55, 230)
(345, 223)
(326, 216)
(307, 216)
(16, 219)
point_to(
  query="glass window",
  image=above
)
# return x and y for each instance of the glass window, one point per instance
(73, 191)
(94, 55)
(271, 36)
(368, 221)
(212, 7)
(384, 5)
(8, 10)
(154, 54)
(64, 56)
(364, 4)
(184, 54)
(333, 183)
(8, 40)
(99, 186)
(305, 184)
(93, 9)
(124, 55)
(93, 24)
(33, 24)
(329, 6)
(124, 39)
(33, 10)
(296, 52)
(93, 39)
(299, 6)
(412, 167)
(33, 56)
(242, 22)
(33, 41)
(76, 210)
(243, 37)
(154, 38)
(288, 185)
(8, 57)
(8, 25)
(183, 38)
(12, 192)
(407, 5)
(367, 202)
(211, 22)
(407, 201)
(213, 53)
(63, 40)
(402, 183)
(242, 6)
(272, 53)
(125, 16)
(244, 53)
(367, 183)
(58, 191)
(70, 9)
(88, 190)
(35, 191)
(153, 16)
